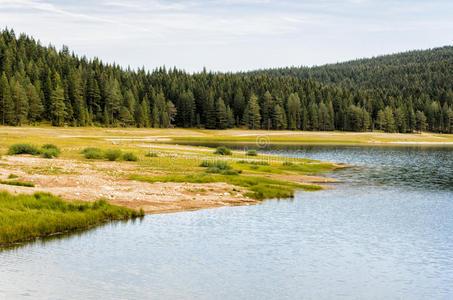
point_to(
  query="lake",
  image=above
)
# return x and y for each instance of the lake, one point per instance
(384, 232)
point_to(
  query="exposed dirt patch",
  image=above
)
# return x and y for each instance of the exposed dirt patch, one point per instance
(79, 180)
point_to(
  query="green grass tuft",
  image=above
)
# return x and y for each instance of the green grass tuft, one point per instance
(23, 149)
(151, 154)
(17, 183)
(12, 176)
(252, 153)
(24, 217)
(92, 153)
(222, 150)
(112, 154)
(129, 156)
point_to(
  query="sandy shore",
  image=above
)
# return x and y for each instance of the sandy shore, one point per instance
(90, 181)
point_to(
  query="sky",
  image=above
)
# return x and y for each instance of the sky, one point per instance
(232, 35)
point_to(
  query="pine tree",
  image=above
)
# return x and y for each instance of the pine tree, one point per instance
(20, 102)
(172, 113)
(35, 107)
(57, 103)
(389, 120)
(210, 113)
(125, 116)
(6, 102)
(221, 114)
(293, 112)
(279, 118)
(420, 121)
(230, 117)
(252, 113)
(266, 111)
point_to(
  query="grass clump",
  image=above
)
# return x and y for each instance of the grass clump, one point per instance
(23, 149)
(252, 153)
(254, 162)
(151, 154)
(288, 164)
(92, 153)
(129, 156)
(49, 151)
(17, 183)
(24, 217)
(12, 176)
(219, 167)
(222, 150)
(112, 154)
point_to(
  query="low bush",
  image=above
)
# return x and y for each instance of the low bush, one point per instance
(12, 176)
(219, 164)
(23, 149)
(92, 153)
(49, 153)
(222, 150)
(151, 154)
(251, 153)
(129, 156)
(231, 172)
(288, 164)
(50, 146)
(113, 154)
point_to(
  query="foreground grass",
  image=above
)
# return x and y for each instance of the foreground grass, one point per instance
(259, 187)
(24, 217)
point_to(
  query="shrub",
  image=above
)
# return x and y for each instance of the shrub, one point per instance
(231, 172)
(129, 156)
(49, 153)
(50, 146)
(288, 163)
(12, 176)
(112, 154)
(222, 150)
(93, 153)
(219, 164)
(254, 167)
(251, 153)
(23, 149)
(151, 154)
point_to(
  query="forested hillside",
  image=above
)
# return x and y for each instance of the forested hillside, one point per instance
(41, 84)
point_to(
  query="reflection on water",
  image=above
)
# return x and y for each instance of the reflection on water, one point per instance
(383, 233)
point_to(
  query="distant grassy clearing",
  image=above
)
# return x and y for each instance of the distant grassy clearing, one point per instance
(24, 217)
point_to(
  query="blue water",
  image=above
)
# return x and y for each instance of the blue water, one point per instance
(385, 232)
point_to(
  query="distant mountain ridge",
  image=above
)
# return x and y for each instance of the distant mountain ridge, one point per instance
(416, 70)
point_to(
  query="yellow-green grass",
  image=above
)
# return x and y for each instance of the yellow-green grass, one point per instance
(24, 217)
(259, 187)
(17, 183)
(93, 136)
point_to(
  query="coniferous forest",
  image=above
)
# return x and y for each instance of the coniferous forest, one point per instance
(405, 92)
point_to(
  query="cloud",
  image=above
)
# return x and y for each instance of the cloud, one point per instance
(138, 32)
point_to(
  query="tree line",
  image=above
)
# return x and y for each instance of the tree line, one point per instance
(40, 84)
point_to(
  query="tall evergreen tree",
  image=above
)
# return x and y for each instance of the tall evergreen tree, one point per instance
(57, 103)
(252, 115)
(6, 102)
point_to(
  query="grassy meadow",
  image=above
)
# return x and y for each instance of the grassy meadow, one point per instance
(24, 217)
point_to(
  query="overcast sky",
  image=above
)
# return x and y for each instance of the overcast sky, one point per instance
(232, 35)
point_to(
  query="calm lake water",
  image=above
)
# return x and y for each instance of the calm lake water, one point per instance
(386, 232)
